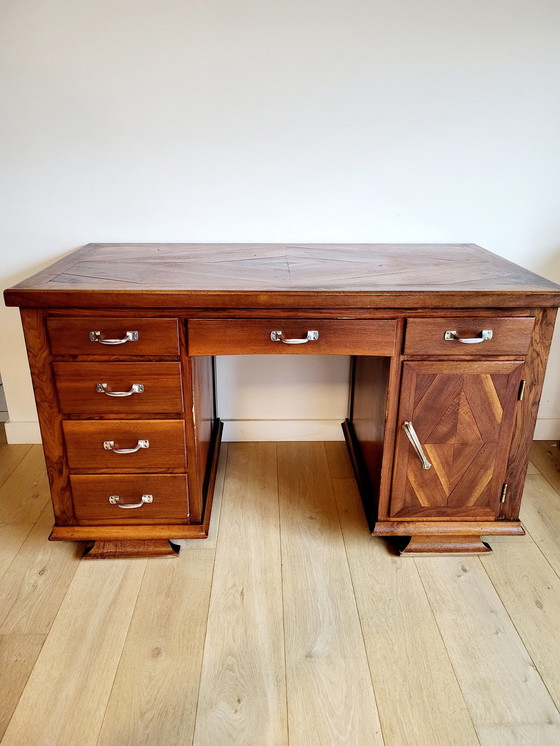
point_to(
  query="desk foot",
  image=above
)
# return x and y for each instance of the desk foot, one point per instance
(131, 549)
(445, 545)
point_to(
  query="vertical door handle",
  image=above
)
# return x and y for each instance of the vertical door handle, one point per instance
(408, 427)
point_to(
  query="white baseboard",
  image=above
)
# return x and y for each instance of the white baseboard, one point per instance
(547, 429)
(23, 432)
(270, 430)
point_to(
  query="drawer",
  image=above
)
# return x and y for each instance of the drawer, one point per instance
(510, 336)
(155, 387)
(253, 336)
(161, 498)
(107, 336)
(156, 445)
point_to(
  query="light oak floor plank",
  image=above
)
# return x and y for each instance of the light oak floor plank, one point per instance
(540, 514)
(338, 460)
(10, 457)
(12, 536)
(330, 694)
(530, 590)
(519, 735)
(497, 676)
(18, 654)
(73, 688)
(36, 582)
(545, 455)
(25, 492)
(66, 695)
(418, 696)
(153, 700)
(242, 696)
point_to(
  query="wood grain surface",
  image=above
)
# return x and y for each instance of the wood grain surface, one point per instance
(457, 651)
(293, 275)
(242, 696)
(330, 697)
(252, 337)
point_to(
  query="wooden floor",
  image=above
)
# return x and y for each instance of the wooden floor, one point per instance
(290, 625)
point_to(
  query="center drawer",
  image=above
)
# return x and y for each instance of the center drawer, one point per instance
(119, 388)
(125, 445)
(291, 336)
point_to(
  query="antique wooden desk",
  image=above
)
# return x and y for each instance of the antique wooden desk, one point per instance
(449, 346)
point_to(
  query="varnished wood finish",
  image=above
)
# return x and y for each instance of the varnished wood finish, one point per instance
(212, 469)
(50, 418)
(463, 416)
(444, 527)
(284, 276)
(76, 387)
(70, 336)
(85, 451)
(456, 544)
(510, 336)
(365, 429)
(91, 498)
(527, 410)
(204, 426)
(131, 549)
(386, 306)
(128, 531)
(252, 337)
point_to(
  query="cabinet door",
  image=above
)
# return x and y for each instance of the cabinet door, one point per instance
(462, 414)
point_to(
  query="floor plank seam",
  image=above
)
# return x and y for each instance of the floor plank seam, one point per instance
(102, 720)
(549, 563)
(282, 596)
(16, 465)
(31, 527)
(215, 550)
(534, 665)
(358, 613)
(434, 617)
(22, 691)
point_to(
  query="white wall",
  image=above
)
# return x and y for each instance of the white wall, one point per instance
(293, 120)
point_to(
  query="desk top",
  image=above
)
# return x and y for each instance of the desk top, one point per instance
(284, 276)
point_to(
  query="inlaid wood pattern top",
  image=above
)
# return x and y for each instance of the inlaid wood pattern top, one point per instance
(261, 275)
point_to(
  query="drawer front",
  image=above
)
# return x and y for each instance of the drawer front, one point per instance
(108, 336)
(125, 445)
(510, 336)
(161, 498)
(149, 388)
(253, 336)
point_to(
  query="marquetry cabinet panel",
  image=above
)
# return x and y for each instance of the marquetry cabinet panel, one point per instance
(455, 428)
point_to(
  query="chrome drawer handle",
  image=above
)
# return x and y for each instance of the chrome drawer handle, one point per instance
(482, 337)
(413, 437)
(278, 337)
(136, 388)
(128, 337)
(109, 445)
(115, 500)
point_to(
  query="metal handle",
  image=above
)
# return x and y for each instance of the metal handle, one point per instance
(128, 337)
(136, 388)
(109, 445)
(411, 435)
(278, 337)
(115, 500)
(482, 337)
